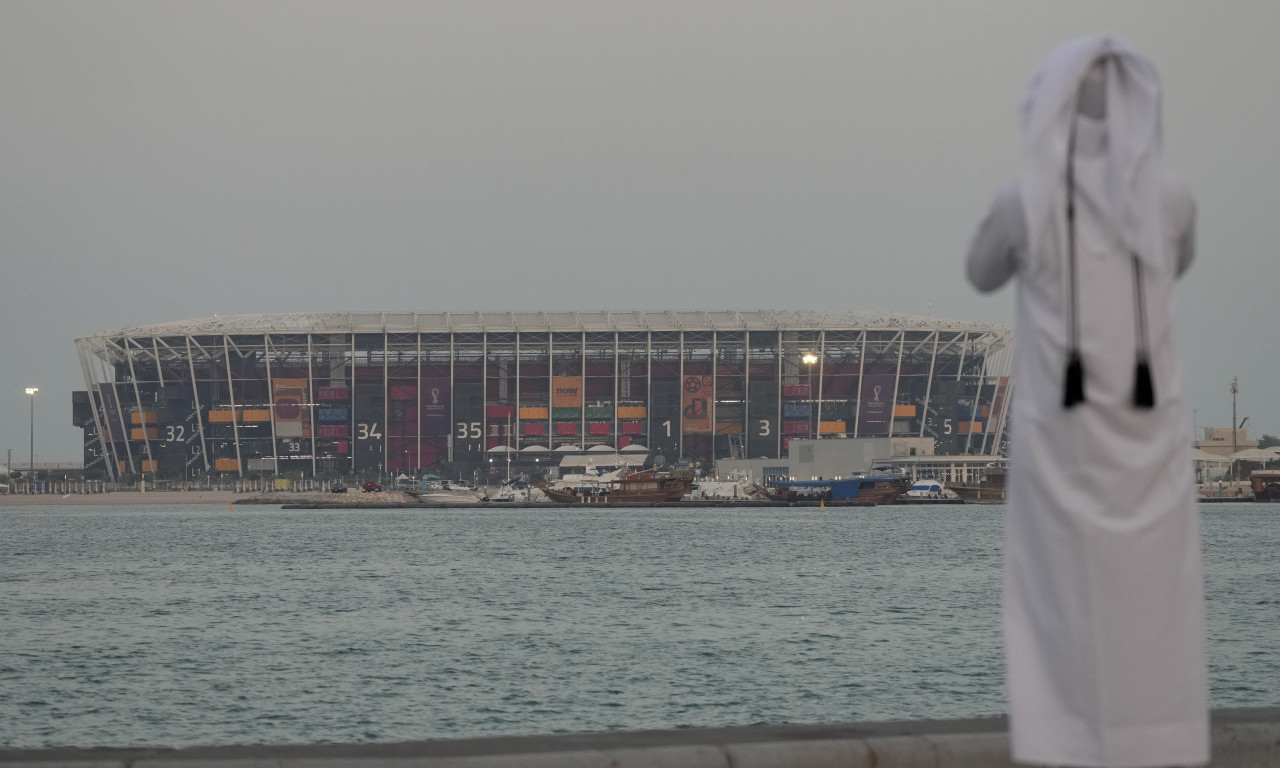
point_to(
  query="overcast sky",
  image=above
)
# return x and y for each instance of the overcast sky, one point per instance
(169, 160)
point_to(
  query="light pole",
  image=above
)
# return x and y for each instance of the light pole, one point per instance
(1235, 387)
(809, 359)
(31, 467)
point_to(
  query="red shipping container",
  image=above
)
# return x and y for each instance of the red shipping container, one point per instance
(535, 428)
(796, 427)
(566, 428)
(332, 393)
(633, 427)
(402, 392)
(342, 446)
(500, 411)
(598, 428)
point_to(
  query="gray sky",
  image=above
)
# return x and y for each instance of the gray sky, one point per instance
(167, 160)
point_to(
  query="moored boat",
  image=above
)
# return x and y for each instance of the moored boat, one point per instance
(989, 490)
(621, 487)
(1266, 486)
(928, 488)
(865, 489)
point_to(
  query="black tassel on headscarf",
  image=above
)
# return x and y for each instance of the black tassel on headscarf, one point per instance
(1144, 388)
(1144, 392)
(1073, 390)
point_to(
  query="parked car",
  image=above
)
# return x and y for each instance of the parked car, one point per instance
(371, 487)
(337, 488)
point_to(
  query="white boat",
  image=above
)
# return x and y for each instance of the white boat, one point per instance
(514, 492)
(929, 488)
(449, 493)
(735, 487)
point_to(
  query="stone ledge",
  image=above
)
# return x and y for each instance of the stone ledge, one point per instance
(1242, 738)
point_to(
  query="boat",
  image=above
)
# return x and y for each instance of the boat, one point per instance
(1266, 486)
(621, 486)
(516, 492)
(865, 489)
(450, 494)
(736, 487)
(989, 490)
(928, 488)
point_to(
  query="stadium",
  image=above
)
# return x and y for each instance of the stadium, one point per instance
(328, 394)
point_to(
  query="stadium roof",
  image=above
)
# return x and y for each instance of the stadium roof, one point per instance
(497, 321)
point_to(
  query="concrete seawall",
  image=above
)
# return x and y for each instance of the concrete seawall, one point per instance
(1242, 738)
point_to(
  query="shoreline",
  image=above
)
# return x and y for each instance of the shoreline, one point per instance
(124, 498)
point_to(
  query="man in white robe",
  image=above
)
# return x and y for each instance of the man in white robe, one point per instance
(1103, 594)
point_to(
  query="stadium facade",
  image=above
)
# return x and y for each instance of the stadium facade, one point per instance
(373, 393)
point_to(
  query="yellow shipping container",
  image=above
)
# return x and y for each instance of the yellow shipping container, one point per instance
(283, 483)
(146, 466)
(534, 413)
(255, 414)
(831, 428)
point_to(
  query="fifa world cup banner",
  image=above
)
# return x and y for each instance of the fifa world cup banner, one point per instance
(697, 394)
(435, 406)
(566, 392)
(288, 397)
(875, 404)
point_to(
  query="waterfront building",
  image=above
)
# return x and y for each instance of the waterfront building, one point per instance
(396, 392)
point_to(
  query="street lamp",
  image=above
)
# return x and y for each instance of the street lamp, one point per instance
(809, 359)
(31, 392)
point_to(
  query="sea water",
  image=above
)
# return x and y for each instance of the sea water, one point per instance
(214, 625)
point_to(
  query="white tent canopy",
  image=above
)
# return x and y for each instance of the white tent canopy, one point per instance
(1254, 454)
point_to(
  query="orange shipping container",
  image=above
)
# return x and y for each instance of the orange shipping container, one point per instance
(227, 465)
(632, 411)
(832, 428)
(904, 411)
(534, 413)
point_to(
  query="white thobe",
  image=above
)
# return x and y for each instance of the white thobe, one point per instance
(1103, 597)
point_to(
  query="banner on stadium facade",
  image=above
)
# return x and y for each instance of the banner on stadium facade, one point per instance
(566, 392)
(287, 398)
(435, 406)
(111, 413)
(875, 404)
(696, 397)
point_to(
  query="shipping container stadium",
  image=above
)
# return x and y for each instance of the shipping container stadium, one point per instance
(372, 393)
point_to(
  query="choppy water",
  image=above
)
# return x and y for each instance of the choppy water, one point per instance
(200, 625)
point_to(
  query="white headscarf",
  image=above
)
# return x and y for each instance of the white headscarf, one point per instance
(1128, 192)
